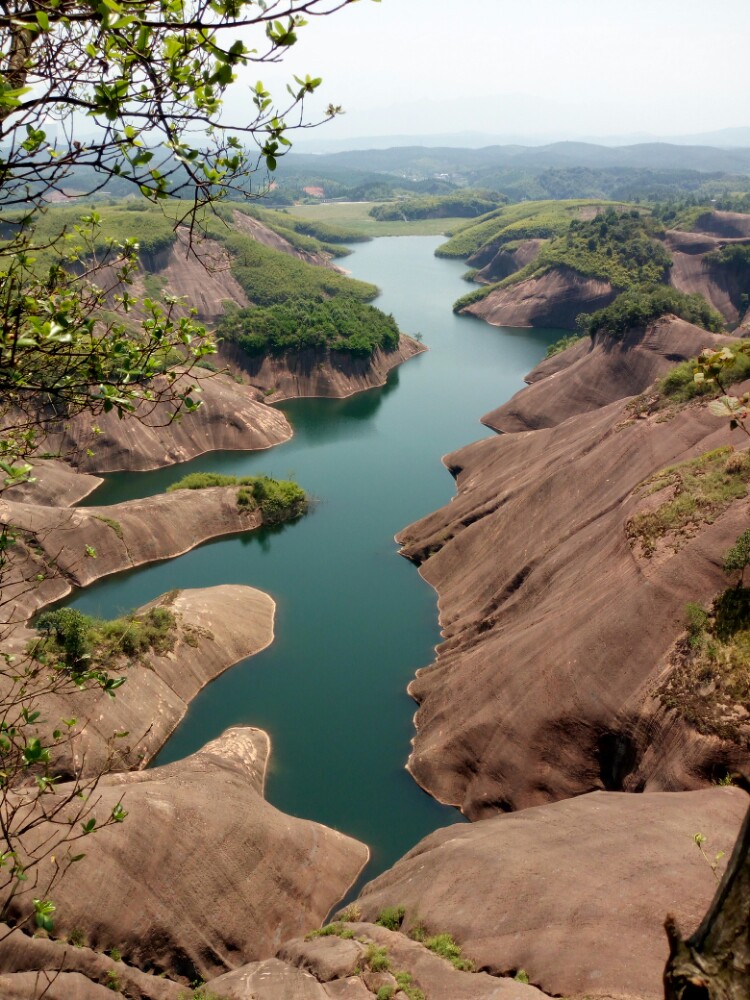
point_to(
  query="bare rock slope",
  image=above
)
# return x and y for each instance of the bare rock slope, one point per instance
(60, 548)
(579, 889)
(215, 628)
(203, 875)
(334, 374)
(556, 626)
(232, 418)
(600, 370)
(552, 299)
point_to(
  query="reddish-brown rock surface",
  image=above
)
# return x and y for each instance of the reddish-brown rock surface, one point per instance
(327, 373)
(600, 370)
(232, 418)
(555, 629)
(73, 547)
(691, 273)
(203, 875)
(494, 265)
(575, 893)
(552, 299)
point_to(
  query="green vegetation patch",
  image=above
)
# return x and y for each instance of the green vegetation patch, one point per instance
(443, 945)
(391, 917)
(640, 306)
(563, 344)
(524, 221)
(696, 492)
(709, 684)
(465, 203)
(68, 637)
(336, 929)
(356, 216)
(279, 500)
(342, 324)
(269, 276)
(620, 249)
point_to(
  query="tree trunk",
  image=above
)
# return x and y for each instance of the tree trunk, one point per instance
(714, 962)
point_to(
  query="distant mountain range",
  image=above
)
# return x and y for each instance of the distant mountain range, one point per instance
(727, 138)
(426, 159)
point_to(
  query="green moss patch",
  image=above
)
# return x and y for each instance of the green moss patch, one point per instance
(696, 492)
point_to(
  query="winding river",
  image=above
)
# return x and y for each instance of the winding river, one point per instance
(354, 621)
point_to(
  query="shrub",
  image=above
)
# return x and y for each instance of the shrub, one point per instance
(446, 947)
(279, 499)
(391, 917)
(377, 958)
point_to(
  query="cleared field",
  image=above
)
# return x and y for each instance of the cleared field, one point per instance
(354, 214)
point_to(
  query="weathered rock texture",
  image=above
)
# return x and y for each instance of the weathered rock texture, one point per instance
(28, 964)
(74, 547)
(232, 418)
(552, 299)
(557, 631)
(691, 272)
(204, 875)
(216, 627)
(575, 893)
(496, 264)
(53, 484)
(331, 968)
(328, 373)
(599, 370)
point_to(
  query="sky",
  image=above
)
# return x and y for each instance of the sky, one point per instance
(539, 68)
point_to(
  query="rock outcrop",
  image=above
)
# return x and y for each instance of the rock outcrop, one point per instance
(574, 893)
(556, 628)
(232, 418)
(600, 370)
(60, 548)
(494, 264)
(203, 875)
(215, 628)
(335, 968)
(692, 273)
(32, 967)
(552, 299)
(334, 374)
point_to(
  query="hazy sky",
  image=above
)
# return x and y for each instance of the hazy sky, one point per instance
(530, 66)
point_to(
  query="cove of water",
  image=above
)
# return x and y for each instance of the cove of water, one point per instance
(354, 620)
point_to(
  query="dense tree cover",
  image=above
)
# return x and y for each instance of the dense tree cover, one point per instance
(617, 247)
(639, 306)
(464, 204)
(342, 324)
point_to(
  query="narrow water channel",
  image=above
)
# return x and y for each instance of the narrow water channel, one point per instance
(354, 620)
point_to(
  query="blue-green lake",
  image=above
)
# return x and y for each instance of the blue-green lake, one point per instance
(354, 620)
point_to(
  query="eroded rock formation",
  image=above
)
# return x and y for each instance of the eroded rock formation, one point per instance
(203, 875)
(328, 373)
(557, 627)
(575, 893)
